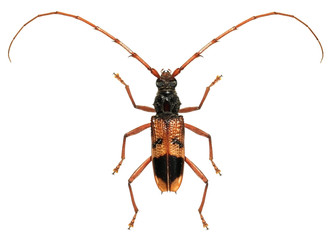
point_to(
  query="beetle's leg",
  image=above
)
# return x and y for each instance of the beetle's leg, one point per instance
(130, 133)
(144, 108)
(201, 176)
(130, 180)
(190, 109)
(204, 134)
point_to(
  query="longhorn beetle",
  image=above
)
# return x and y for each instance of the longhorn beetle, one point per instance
(167, 126)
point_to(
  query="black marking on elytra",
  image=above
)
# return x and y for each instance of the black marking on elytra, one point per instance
(168, 168)
(177, 141)
(175, 167)
(160, 167)
(158, 141)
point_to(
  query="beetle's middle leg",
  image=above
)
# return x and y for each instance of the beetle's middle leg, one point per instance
(204, 134)
(130, 133)
(144, 108)
(130, 180)
(202, 176)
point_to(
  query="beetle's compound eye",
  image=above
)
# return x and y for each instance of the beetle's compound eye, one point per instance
(160, 83)
(173, 83)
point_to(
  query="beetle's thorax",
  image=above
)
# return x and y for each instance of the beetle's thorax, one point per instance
(167, 102)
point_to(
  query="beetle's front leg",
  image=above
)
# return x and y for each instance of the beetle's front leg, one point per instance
(190, 109)
(204, 134)
(144, 108)
(130, 133)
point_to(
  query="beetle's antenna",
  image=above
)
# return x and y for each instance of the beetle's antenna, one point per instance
(198, 54)
(116, 40)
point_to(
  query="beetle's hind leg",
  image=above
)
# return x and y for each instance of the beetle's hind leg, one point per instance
(130, 180)
(201, 176)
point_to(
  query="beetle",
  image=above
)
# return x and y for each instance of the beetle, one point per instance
(167, 126)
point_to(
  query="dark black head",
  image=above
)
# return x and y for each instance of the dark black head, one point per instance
(166, 82)
(166, 102)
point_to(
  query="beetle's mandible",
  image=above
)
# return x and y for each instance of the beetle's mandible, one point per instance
(167, 126)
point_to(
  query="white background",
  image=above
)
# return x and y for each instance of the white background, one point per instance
(63, 115)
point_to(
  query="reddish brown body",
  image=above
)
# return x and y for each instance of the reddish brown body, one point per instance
(167, 127)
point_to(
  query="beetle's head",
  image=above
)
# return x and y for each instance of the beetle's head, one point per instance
(166, 102)
(166, 82)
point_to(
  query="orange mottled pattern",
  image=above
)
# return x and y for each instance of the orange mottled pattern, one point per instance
(158, 131)
(176, 131)
(167, 131)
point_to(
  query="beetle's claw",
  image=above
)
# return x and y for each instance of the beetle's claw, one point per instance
(131, 224)
(218, 171)
(115, 170)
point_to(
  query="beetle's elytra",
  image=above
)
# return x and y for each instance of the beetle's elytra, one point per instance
(168, 151)
(167, 126)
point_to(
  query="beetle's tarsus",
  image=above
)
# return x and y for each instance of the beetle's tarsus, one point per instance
(218, 171)
(119, 78)
(217, 79)
(204, 222)
(115, 170)
(131, 224)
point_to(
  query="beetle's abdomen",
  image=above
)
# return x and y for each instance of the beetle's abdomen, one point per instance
(168, 151)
